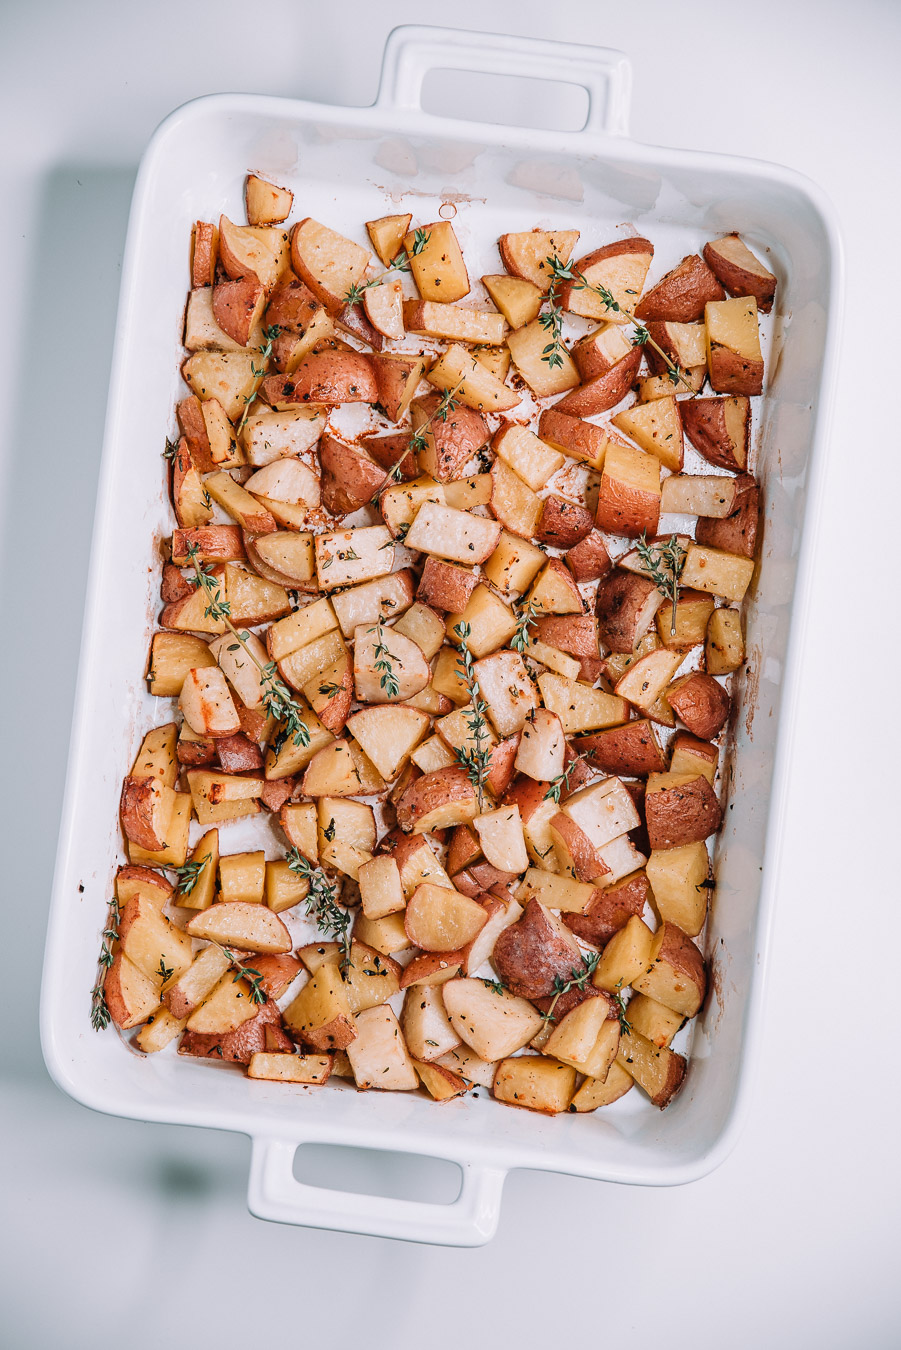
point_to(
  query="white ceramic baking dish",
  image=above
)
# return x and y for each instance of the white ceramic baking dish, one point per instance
(347, 165)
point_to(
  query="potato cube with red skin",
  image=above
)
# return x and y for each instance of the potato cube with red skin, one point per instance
(690, 754)
(737, 532)
(530, 954)
(563, 523)
(676, 975)
(589, 560)
(207, 704)
(580, 440)
(701, 703)
(446, 586)
(449, 441)
(604, 391)
(680, 809)
(734, 358)
(682, 294)
(203, 257)
(437, 800)
(735, 266)
(719, 429)
(632, 749)
(656, 1069)
(629, 494)
(576, 634)
(610, 909)
(625, 605)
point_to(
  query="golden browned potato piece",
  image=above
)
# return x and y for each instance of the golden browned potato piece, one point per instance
(526, 254)
(620, 268)
(397, 376)
(437, 800)
(265, 203)
(657, 1069)
(676, 975)
(579, 440)
(131, 996)
(629, 495)
(681, 295)
(449, 441)
(701, 703)
(203, 258)
(734, 358)
(262, 1033)
(680, 809)
(536, 1082)
(146, 808)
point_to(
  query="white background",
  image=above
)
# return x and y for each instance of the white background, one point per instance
(129, 1235)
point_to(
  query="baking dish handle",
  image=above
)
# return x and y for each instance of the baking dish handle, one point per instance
(412, 51)
(275, 1193)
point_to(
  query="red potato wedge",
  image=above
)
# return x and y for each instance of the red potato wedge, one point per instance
(391, 453)
(654, 1020)
(589, 559)
(213, 543)
(528, 349)
(610, 909)
(330, 377)
(576, 634)
(143, 881)
(526, 254)
(174, 586)
(190, 499)
(554, 591)
(440, 920)
(620, 268)
(719, 428)
(700, 495)
(491, 1021)
(576, 854)
(598, 352)
(513, 502)
(690, 754)
(265, 203)
(243, 253)
(577, 439)
(378, 1054)
(151, 942)
(625, 605)
(724, 647)
(320, 1014)
(658, 1070)
(292, 306)
(734, 359)
(377, 648)
(632, 750)
(387, 236)
(441, 1083)
(562, 523)
(676, 975)
(146, 807)
(248, 927)
(604, 391)
(397, 378)
(644, 681)
(535, 1082)
(207, 705)
(261, 1034)
(449, 441)
(384, 307)
(238, 307)
(310, 1070)
(387, 734)
(431, 969)
(681, 295)
(533, 952)
(737, 532)
(526, 454)
(226, 377)
(701, 703)
(437, 800)
(328, 263)
(629, 494)
(237, 754)
(542, 747)
(736, 268)
(131, 996)
(205, 240)
(350, 478)
(454, 323)
(680, 809)
(446, 586)
(208, 432)
(354, 318)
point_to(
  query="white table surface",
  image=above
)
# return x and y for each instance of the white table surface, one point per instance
(120, 1234)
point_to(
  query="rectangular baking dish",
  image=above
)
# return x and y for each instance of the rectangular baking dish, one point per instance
(347, 165)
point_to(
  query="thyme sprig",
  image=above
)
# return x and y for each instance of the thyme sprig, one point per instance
(560, 784)
(277, 699)
(242, 972)
(188, 875)
(663, 564)
(382, 664)
(100, 1013)
(417, 441)
(561, 271)
(525, 618)
(496, 985)
(265, 350)
(577, 980)
(625, 1026)
(322, 904)
(171, 449)
(475, 759)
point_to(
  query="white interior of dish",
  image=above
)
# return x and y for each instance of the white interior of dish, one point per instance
(346, 166)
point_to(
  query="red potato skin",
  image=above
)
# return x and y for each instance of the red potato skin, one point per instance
(456, 439)
(464, 849)
(446, 586)
(237, 305)
(354, 319)
(682, 815)
(614, 250)
(349, 478)
(580, 776)
(277, 971)
(731, 374)
(610, 910)
(182, 467)
(429, 963)
(623, 509)
(173, 585)
(530, 954)
(694, 745)
(147, 877)
(135, 811)
(632, 749)
(526, 793)
(704, 424)
(194, 754)
(330, 377)
(567, 1002)
(684, 957)
(334, 714)
(587, 865)
(738, 281)
(576, 634)
(701, 703)
(563, 524)
(170, 613)
(620, 600)
(604, 391)
(737, 532)
(393, 373)
(191, 424)
(589, 560)
(277, 792)
(681, 295)
(429, 792)
(120, 1010)
(214, 543)
(263, 1032)
(237, 754)
(387, 451)
(500, 774)
(571, 434)
(291, 306)
(203, 261)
